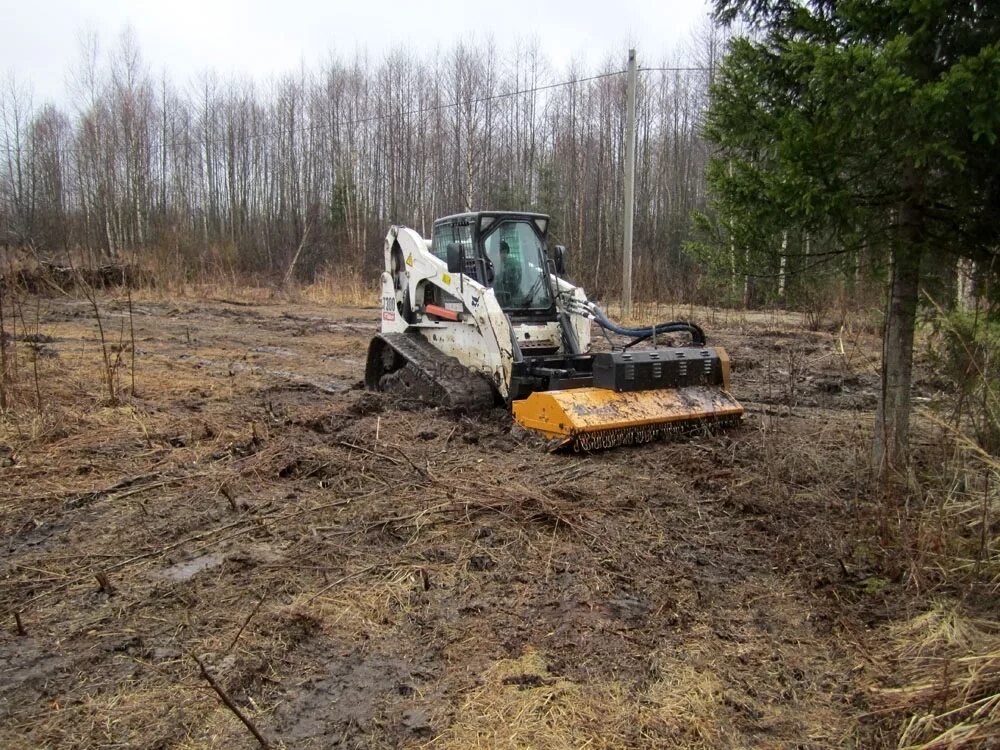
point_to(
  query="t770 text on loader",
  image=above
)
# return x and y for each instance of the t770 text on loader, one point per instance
(480, 314)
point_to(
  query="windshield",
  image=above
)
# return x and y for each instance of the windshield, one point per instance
(520, 278)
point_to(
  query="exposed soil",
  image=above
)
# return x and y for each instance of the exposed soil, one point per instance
(358, 573)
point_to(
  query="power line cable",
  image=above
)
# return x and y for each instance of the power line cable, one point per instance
(326, 126)
(676, 69)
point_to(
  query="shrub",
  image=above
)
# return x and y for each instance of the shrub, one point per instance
(965, 349)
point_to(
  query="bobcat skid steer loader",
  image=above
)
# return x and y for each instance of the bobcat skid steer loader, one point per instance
(480, 314)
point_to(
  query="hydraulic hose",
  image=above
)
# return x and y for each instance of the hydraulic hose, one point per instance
(673, 326)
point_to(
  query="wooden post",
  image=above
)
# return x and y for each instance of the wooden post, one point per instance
(629, 186)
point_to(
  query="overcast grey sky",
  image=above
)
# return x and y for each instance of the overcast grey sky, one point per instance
(39, 41)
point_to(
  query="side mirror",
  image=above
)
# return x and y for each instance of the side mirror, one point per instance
(455, 258)
(559, 259)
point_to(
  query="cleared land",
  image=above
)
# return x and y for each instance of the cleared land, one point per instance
(361, 573)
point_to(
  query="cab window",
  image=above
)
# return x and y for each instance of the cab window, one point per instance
(446, 234)
(520, 276)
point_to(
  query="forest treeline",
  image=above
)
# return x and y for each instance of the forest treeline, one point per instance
(233, 176)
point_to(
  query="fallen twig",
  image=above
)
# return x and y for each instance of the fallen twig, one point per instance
(85, 498)
(230, 705)
(249, 618)
(251, 522)
(136, 558)
(369, 451)
(444, 448)
(339, 581)
(422, 472)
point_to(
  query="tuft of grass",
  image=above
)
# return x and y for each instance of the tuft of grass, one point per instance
(520, 703)
(358, 608)
(952, 534)
(948, 681)
(347, 288)
(685, 705)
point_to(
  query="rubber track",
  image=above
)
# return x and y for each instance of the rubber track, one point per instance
(452, 384)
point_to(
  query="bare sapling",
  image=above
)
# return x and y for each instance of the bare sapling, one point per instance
(794, 370)
(108, 365)
(289, 273)
(10, 310)
(33, 341)
(35, 350)
(131, 335)
(4, 371)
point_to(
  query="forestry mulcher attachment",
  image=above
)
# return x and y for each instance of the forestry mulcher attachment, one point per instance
(481, 314)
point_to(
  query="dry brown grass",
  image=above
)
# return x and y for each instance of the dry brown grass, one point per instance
(850, 323)
(733, 540)
(685, 705)
(346, 288)
(519, 703)
(947, 691)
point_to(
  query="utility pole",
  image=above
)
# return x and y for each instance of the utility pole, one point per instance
(629, 186)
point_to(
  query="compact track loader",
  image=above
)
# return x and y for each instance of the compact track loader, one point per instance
(480, 314)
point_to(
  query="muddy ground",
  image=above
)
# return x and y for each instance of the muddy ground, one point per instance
(354, 572)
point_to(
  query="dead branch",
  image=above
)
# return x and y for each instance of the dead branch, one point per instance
(85, 498)
(246, 622)
(295, 259)
(369, 451)
(251, 523)
(224, 697)
(339, 581)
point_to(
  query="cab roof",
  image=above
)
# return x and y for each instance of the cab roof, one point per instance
(472, 215)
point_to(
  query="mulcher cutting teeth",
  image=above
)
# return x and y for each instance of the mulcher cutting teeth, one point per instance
(604, 439)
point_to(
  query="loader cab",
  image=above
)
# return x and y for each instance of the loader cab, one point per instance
(503, 250)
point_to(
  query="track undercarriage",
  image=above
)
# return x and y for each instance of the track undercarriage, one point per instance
(407, 365)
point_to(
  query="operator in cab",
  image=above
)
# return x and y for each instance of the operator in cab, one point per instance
(508, 283)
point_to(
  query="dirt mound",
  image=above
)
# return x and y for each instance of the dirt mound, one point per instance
(46, 278)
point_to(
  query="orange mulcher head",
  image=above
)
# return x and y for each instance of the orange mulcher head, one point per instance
(647, 398)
